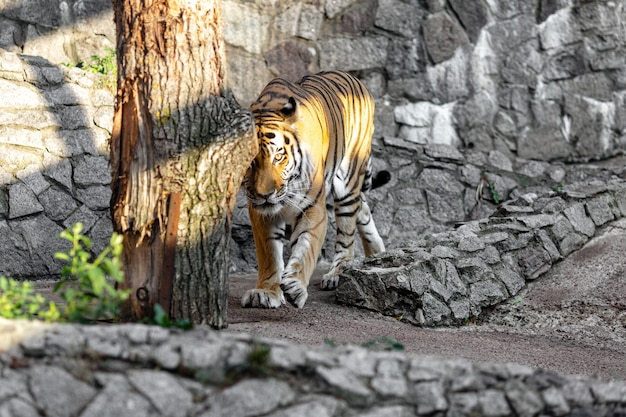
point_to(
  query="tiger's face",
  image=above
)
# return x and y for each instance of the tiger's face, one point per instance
(268, 179)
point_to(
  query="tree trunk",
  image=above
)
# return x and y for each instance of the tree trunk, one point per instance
(179, 149)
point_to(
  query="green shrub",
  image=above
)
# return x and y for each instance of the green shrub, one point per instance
(19, 301)
(88, 287)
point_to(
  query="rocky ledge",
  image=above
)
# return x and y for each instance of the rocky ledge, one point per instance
(449, 277)
(120, 370)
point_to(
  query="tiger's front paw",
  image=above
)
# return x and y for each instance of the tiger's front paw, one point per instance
(295, 292)
(329, 282)
(260, 298)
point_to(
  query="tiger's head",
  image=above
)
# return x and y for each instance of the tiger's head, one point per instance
(276, 177)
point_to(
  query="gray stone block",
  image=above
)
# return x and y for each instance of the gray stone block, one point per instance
(580, 222)
(443, 36)
(44, 381)
(163, 390)
(22, 201)
(353, 54)
(398, 17)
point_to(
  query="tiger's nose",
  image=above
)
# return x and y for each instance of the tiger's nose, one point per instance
(268, 196)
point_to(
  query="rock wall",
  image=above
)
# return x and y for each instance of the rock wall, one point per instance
(540, 79)
(504, 81)
(54, 128)
(447, 278)
(140, 370)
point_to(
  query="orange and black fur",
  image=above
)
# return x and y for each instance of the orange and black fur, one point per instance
(314, 139)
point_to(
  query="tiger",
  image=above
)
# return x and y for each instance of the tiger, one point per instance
(315, 139)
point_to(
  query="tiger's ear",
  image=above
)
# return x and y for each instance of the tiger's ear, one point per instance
(289, 108)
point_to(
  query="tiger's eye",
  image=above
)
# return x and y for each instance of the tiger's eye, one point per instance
(270, 135)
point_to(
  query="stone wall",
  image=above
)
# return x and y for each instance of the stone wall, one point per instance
(505, 82)
(447, 278)
(67, 370)
(54, 128)
(540, 79)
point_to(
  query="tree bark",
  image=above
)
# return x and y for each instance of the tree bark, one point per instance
(179, 149)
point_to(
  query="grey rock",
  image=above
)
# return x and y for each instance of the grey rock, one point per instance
(82, 215)
(430, 397)
(398, 17)
(500, 161)
(167, 356)
(473, 270)
(44, 381)
(571, 242)
(309, 22)
(289, 60)
(580, 222)
(443, 151)
(513, 281)
(473, 17)
(537, 221)
(389, 380)
(314, 406)
(96, 197)
(405, 59)
(342, 52)
(31, 176)
(599, 211)
(493, 403)
(442, 36)
(434, 310)
(389, 411)
(549, 245)
(76, 117)
(92, 170)
(334, 7)
(69, 95)
(524, 400)
(22, 201)
(609, 392)
(484, 293)
(534, 261)
(118, 400)
(471, 244)
(163, 391)
(245, 26)
(17, 407)
(253, 397)
(16, 96)
(555, 401)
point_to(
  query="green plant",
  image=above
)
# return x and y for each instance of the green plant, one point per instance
(383, 343)
(19, 301)
(106, 66)
(160, 318)
(88, 287)
(494, 193)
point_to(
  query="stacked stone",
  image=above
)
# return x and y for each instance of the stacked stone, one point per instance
(71, 370)
(449, 277)
(54, 128)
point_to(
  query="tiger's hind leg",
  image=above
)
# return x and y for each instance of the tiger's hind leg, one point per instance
(372, 242)
(346, 214)
(361, 220)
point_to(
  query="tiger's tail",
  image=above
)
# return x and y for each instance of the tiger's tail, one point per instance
(371, 182)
